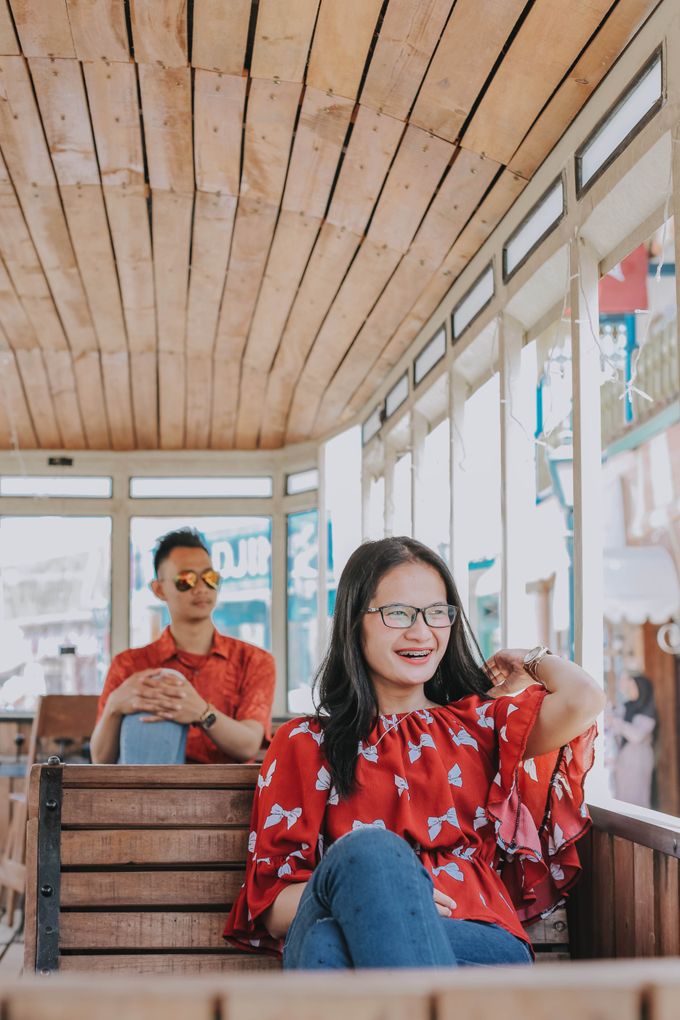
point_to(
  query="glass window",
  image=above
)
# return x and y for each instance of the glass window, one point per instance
(242, 552)
(434, 501)
(477, 298)
(397, 395)
(84, 487)
(343, 501)
(550, 574)
(482, 466)
(402, 517)
(375, 518)
(200, 488)
(302, 606)
(302, 481)
(640, 483)
(55, 594)
(545, 215)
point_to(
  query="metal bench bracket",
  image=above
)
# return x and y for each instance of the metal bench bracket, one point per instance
(49, 867)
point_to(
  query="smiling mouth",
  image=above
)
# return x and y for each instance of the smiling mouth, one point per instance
(415, 656)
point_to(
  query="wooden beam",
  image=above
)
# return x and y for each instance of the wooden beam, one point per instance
(408, 38)
(16, 325)
(143, 371)
(60, 371)
(44, 29)
(98, 29)
(89, 387)
(116, 379)
(159, 31)
(129, 221)
(282, 38)
(172, 377)
(8, 38)
(219, 101)
(166, 109)
(63, 106)
(479, 29)
(171, 230)
(333, 252)
(321, 130)
(15, 419)
(212, 231)
(112, 97)
(220, 35)
(579, 85)
(36, 388)
(334, 66)
(199, 401)
(544, 48)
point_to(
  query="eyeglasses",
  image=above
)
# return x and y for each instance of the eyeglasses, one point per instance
(187, 579)
(400, 617)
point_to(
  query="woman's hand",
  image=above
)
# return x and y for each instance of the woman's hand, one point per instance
(443, 903)
(507, 673)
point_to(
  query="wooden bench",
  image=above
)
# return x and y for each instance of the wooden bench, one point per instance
(134, 868)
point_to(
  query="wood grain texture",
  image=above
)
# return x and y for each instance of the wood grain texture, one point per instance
(408, 37)
(543, 48)
(667, 903)
(103, 889)
(169, 963)
(219, 102)
(282, 38)
(479, 29)
(121, 808)
(131, 930)
(14, 415)
(166, 108)
(624, 896)
(579, 84)
(36, 387)
(44, 29)
(120, 999)
(333, 66)
(98, 29)
(220, 35)
(8, 39)
(159, 31)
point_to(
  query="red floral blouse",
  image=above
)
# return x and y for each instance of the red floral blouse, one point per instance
(495, 830)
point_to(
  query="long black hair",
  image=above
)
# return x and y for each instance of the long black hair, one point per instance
(347, 707)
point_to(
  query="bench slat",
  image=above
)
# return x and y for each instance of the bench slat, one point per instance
(149, 888)
(219, 777)
(167, 963)
(153, 846)
(109, 808)
(162, 930)
(552, 930)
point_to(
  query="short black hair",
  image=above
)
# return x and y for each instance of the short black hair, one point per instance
(182, 538)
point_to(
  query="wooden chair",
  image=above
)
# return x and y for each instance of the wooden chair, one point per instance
(60, 720)
(134, 869)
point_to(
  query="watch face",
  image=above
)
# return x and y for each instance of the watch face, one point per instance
(209, 721)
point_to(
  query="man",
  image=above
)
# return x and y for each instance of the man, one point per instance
(221, 688)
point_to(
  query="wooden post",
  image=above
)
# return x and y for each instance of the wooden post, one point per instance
(517, 487)
(390, 463)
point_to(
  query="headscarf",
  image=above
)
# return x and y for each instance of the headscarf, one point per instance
(644, 704)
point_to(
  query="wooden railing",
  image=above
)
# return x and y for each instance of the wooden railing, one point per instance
(628, 900)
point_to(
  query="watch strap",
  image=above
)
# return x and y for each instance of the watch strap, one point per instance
(533, 659)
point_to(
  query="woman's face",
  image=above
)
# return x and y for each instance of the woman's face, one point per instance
(400, 661)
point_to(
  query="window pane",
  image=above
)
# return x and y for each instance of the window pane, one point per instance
(640, 486)
(303, 574)
(402, 518)
(375, 525)
(482, 466)
(200, 488)
(302, 481)
(434, 491)
(343, 500)
(86, 487)
(55, 593)
(241, 551)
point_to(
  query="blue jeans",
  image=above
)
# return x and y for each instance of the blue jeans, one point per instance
(158, 743)
(370, 903)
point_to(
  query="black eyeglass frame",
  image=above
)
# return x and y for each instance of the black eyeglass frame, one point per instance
(453, 613)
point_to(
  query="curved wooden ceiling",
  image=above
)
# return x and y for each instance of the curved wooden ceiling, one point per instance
(222, 222)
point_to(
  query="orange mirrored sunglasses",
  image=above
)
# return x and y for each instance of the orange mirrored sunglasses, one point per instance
(187, 579)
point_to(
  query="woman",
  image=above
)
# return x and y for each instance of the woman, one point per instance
(634, 768)
(378, 825)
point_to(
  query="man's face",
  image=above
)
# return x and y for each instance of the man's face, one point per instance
(195, 604)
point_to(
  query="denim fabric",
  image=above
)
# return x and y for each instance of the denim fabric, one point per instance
(370, 903)
(160, 743)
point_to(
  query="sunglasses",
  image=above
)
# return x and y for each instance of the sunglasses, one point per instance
(187, 579)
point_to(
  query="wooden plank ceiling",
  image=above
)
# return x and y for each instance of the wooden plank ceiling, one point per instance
(222, 222)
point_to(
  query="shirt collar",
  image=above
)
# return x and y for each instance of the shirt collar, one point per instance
(167, 647)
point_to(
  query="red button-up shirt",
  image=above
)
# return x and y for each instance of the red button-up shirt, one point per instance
(236, 677)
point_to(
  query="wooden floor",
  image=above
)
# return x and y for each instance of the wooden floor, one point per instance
(11, 949)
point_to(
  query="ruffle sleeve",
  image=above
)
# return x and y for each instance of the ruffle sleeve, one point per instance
(285, 841)
(537, 806)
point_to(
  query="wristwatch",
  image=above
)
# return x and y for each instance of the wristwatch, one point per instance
(532, 659)
(208, 718)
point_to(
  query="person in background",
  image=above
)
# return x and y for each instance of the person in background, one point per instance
(634, 730)
(433, 802)
(193, 695)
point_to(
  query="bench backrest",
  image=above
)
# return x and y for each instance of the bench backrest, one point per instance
(134, 868)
